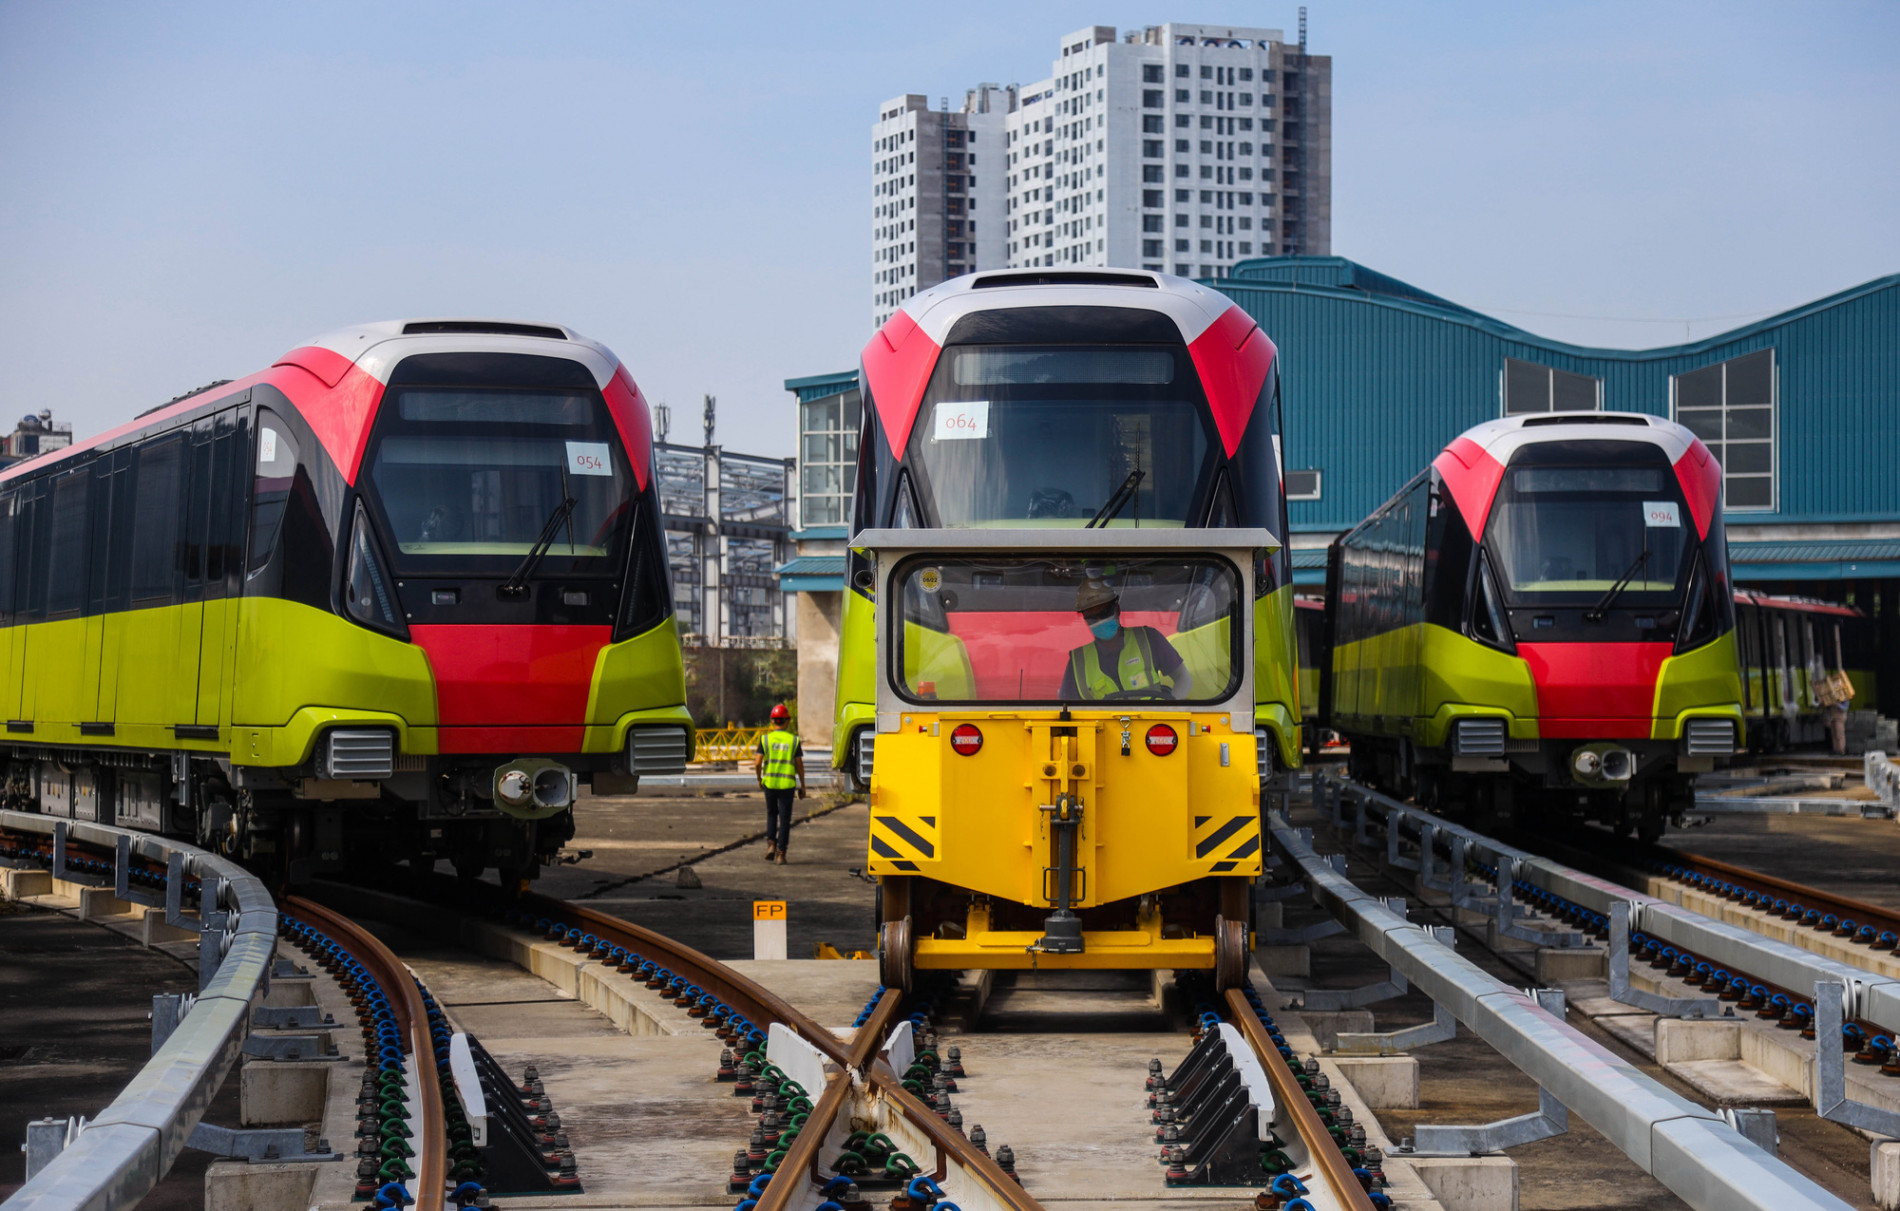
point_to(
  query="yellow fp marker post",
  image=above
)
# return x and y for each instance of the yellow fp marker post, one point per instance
(768, 929)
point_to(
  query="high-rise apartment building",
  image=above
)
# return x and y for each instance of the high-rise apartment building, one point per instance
(1179, 148)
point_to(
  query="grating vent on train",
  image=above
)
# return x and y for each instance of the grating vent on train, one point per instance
(1481, 737)
(657, 750)
(358, 754)
(1709, 738)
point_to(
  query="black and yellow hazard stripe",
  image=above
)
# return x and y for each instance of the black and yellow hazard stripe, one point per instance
(1228, 839)
(904, 841)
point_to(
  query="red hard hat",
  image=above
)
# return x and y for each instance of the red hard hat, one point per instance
(779, 712)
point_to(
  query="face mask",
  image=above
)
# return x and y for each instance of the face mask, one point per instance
(1107, 628)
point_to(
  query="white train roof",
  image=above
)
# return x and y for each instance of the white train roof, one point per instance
(1191, 306)
(375, 348)
(1503, 437)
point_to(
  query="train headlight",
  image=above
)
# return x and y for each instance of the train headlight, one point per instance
(515, 788)
(1618, 764)
(1586, 763)
(1162, 740)
(966, 739)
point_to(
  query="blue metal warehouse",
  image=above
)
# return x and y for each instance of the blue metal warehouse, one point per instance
(1803, 408)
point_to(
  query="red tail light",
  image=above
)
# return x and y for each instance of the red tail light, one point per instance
(1162, 739)
(966, 739)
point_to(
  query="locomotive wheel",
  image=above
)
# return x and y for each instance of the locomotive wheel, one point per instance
(893, 955)
(1230, 954)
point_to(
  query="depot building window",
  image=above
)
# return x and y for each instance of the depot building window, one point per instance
(1529, 387)
(828, 457)
(1731, 407)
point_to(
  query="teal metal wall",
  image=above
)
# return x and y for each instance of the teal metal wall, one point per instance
(1378, 376)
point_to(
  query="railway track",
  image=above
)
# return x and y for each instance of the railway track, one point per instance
(411, 1130)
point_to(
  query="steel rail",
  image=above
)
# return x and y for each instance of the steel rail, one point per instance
(709, 973)
(1320, 1148)
(1871, 997)
(861, 1061)
(1810, 897)
(124, 1151)
(405, 1000)
(1703, 1160)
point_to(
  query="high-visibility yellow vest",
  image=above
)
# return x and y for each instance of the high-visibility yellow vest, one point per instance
(780, 747)
(1136, 665)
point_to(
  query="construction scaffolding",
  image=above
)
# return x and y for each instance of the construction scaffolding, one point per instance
(728, 524)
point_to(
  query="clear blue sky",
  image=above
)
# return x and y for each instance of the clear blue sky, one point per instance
(188, 189)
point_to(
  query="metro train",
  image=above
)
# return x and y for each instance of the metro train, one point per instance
(1067, 660)
(1115, 398)
(1788, 645)
(396, 596)
(1541, 622)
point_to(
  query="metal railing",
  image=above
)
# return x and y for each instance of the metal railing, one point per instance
(131, 1144)
(1883, 776)
(1695, 1153)
(728, 743)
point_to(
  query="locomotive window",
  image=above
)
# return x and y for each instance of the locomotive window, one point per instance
(466, 481)
(1565, 535)
(275, 473)
(1052, 436)
(1003, 629)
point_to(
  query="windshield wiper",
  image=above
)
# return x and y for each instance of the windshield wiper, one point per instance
(1114, 504)
(517, 584)
(1600, 610)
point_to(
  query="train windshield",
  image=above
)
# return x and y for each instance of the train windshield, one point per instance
(1567, 535)
(1066, 629)
(1022, 435)
(470, 481)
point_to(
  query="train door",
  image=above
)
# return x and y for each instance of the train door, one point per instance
(112, 518)
(1784, 670)
(61, 654)
(181, 699)
(224, 552)
(30, 598)
(144, 634)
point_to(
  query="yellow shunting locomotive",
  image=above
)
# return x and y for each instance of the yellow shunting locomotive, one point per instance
(1067, 773)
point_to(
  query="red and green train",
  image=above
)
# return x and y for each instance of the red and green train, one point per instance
(395, 597)
(1541, 622)
(1058, 399)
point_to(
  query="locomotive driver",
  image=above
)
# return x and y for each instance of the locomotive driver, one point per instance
(1120, 658)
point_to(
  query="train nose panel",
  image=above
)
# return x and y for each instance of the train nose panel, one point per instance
(1589, 691)
(523, 688)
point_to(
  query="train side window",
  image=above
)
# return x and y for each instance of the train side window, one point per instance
(274, 475)
(38, 525)
(191, 543)
(223, 523)
(7, 504)
(155, 526)
(69, 558)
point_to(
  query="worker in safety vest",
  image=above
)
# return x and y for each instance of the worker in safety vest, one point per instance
(780, 768)
(1136, 659)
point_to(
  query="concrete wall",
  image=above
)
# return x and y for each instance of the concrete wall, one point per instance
(818, 619)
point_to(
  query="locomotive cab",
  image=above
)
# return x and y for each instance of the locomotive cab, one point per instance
(1067, 774)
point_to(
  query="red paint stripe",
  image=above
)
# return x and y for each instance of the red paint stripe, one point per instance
(1472, 476)
(634, 420)
(1232, 358)
(511, 676)
(897, 366)
(1608, 690)
(509, 741)
(1701, 479)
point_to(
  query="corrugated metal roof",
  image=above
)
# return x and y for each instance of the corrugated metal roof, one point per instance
(1364, 353)
(819, 386)
(812, 565)
(1859, 549)
(1310, 558)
